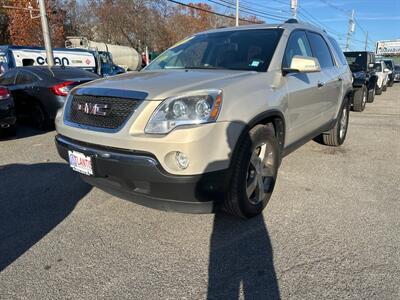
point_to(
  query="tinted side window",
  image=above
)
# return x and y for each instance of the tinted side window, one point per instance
(338, 51)
(297, 45)
(25, 78)
(320, 50)
(8, 78)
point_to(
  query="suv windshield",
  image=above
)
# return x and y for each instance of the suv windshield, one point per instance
(357, 61)
(249, 50)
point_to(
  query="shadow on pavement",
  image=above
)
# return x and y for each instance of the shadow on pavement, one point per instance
(34, 199)
(23, 131)
(241, 257)
(241, 260)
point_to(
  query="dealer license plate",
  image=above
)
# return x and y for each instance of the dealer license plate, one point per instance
(81, 163)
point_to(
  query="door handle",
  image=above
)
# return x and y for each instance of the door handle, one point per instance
(340, 79)
(321, 84)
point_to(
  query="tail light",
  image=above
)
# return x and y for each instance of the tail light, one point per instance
(4, 93)
(61, 89)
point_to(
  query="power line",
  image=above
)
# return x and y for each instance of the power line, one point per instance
(265, 7)
(211, 12)
(247, 10)
(344, 12)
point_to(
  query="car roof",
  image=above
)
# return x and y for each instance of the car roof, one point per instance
(290, 24)
(358, 52)
(58, 71)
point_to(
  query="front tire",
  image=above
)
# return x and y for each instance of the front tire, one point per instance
(371, 95)
(378, 91)
(337, 135)
(254, 172)
(384, 88)
(360, 100)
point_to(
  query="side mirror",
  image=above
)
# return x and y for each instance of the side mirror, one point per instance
(371, 66)
(303, 64)
(386, 70)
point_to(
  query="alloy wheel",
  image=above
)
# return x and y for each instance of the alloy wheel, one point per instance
(260, 174)
(343, 122)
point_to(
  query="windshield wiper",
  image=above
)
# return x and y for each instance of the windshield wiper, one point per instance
(201, 67)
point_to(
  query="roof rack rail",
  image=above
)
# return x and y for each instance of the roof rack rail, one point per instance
(291, 21)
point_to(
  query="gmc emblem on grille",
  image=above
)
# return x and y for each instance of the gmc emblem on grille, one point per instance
(93, 109)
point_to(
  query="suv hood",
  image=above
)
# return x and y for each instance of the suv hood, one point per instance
(158, 85)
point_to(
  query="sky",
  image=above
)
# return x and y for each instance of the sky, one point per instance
(380, 18)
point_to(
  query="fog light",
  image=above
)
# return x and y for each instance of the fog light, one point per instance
(182, 160)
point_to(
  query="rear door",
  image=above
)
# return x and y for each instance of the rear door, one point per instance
(24, 90)
(330, 84)
(344, 73)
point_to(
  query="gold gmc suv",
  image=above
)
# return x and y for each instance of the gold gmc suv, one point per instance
(206, 124)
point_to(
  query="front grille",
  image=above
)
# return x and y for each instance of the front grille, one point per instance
(116, 113)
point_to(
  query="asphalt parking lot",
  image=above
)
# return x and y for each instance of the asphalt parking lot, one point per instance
(330, 231)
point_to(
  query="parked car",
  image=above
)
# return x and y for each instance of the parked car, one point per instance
(362, 65)
(21, 56)
(207, 122)
(8, 119)
(39, 92)
(382, 72)
(390, 65)
(396, 73)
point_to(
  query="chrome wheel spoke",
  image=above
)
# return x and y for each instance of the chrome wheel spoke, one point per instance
(260, 187)
(255, 160)
(266, 171)
(343, 123)
(251, 186)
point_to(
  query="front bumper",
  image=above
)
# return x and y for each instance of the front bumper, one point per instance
(139, 177)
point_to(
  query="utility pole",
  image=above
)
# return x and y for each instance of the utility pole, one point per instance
(46, 33)
(293, 8)
(237, 12)
(351, 30)
(366, 41)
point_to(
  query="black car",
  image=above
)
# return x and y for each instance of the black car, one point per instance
(39, 91)
(390, 65)
(8, 119)
(362, 64)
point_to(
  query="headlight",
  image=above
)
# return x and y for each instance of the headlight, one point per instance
(196, 108)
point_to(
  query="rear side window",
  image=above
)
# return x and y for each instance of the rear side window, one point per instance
(338, 51)
(297, 45)
(8, 78)
(26, 78)
(320, 50)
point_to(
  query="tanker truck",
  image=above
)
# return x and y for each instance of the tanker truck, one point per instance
(123, 56)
